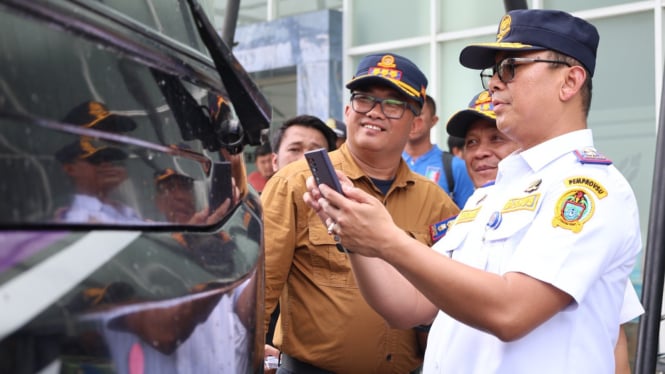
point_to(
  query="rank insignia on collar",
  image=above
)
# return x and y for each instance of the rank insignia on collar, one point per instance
(591, 156)
(533, 186)
(574, 208)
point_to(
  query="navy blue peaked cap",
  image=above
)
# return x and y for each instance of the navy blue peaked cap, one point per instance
(537, 29)
(391, 70)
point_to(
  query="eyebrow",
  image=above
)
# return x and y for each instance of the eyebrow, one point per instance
(393, 94)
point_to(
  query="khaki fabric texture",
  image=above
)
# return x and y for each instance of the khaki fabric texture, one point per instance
(324, 319)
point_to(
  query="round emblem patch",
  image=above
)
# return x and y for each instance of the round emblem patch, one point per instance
(574, 208)
(494, 221)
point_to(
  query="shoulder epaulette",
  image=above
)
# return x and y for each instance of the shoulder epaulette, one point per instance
(439, 229)
(591, 156)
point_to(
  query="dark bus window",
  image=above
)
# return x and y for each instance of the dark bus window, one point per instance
(146, 127)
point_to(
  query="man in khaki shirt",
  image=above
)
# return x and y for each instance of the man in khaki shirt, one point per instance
(325, 325)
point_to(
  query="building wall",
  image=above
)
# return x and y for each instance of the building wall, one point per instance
(309, 44)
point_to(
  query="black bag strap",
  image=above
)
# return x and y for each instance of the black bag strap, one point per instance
(447, 159)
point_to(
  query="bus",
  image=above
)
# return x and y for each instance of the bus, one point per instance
(130, 240)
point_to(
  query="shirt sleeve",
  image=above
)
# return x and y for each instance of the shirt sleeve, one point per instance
(631, 307)
(279, 223)
(572, 256)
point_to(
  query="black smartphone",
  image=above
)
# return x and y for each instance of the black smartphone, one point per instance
(322, 169)
(221, 184)
(324, 173)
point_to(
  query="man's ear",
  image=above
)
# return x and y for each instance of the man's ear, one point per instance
(274, 162)
(417, 124)
(435, 120)
(573, 81)
(347, 108)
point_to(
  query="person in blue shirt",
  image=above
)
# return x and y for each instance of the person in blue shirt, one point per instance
(428, 159)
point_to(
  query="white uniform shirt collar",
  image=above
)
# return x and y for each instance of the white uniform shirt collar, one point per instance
(536, 158)
(88, 203)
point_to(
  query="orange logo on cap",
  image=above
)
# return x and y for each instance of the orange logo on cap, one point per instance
(387, 61)
(483, 101)
(165, 174)
(504, 28)
(98, 111)
(88, 147)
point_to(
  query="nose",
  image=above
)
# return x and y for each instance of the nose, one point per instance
(494, 84)
(376, 111)
(482, 150)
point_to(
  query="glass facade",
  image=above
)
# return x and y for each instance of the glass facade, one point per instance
(623, 107)
(461, 15)
(574, 5)
(255, 11)
(400, 19)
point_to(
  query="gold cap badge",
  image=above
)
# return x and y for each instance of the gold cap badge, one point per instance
(504, 28)
(387, 61)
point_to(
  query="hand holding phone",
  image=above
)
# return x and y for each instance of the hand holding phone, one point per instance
(324, 173)
(322, 169)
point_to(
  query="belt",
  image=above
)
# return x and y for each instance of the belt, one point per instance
(300, 367)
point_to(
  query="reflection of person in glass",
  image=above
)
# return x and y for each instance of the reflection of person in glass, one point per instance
(96, 169)
(174, 196)
(175, 199)
(96, 172)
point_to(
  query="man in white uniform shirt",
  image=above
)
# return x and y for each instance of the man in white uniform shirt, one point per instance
(484, 147)
(540, 264)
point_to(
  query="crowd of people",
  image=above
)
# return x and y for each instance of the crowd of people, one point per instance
(503, 254)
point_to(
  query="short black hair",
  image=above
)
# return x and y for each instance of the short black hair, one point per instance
(262, 150)
(455, 142)
(307, 121)
(431, 103)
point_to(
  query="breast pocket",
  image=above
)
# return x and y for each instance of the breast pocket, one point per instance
(464, 244)
(453, 239)
(501, 242)
(330, 267)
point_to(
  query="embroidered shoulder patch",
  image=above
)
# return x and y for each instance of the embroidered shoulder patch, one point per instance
(439, 229)
(573, 209)
(591, 156)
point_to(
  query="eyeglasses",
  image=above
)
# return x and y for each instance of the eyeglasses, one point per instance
(392, 108)
(506, 69)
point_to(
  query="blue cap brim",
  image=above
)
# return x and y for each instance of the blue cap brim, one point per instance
(459, 123)
(483, 55)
